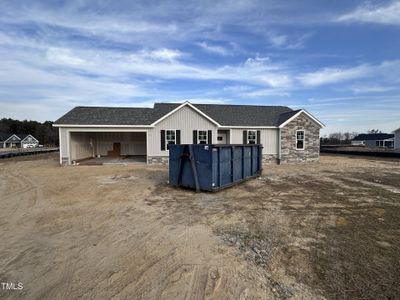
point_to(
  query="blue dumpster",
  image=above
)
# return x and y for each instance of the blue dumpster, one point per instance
(213, 167)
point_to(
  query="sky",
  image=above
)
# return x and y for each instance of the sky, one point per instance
(339, 60)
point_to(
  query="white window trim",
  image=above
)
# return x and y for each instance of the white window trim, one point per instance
(166, 140)
(304, 140)
(255, 141)
(198, 136)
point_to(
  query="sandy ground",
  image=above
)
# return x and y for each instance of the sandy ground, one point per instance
(326, 230)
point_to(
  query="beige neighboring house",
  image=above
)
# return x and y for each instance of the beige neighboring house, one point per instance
(288, 136)
(397, 138)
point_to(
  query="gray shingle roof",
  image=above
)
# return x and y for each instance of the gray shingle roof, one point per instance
(225, 115)
(86, 115)
(4, 136)
(286, 116)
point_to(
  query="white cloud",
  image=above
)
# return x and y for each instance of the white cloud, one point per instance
(277, 40)
(215, 49)
(162, 54)
(64, 56)
(387, 70)
(389, 14)
(333, 75)
(368, 89)
(284, 41)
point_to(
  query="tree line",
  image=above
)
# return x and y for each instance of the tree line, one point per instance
(342, 138)
(44, 132)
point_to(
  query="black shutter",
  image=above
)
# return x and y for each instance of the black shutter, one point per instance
(244, 136)
(258, 137)
(194, 136)
(162, 140)
(178, 137)
(210, 136)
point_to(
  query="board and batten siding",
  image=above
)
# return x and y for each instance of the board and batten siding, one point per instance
(186, 120)
(63, 137)
(80, 146)
(268, 138)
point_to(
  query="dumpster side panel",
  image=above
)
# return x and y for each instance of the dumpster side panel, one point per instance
(246, 161)
(174, 161)
(225, 161)
(237, 163)
(203, 161)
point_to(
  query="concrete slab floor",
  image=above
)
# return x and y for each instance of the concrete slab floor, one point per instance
(120, 160)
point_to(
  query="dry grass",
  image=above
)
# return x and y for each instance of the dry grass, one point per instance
(329, 230)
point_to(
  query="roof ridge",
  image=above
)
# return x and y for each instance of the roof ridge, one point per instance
(222, 104)
(122, 107)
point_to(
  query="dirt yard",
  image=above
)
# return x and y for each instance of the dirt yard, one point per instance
(327, 230)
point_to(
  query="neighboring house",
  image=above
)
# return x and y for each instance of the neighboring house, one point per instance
(288, 136)
(10, 140)
(28, 141)
(3, 138)
(397, 138)
(13, 141)
(374, 140)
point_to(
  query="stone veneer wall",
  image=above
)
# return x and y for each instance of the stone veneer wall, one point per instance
(289, 153)
(158, 160)
(270, 159)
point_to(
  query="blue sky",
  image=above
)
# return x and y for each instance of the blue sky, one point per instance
(340, 60)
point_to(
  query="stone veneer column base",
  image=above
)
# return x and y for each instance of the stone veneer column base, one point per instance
(157, 160)
(270, 158)
(299, 160)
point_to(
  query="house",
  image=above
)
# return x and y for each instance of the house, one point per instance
(374, 140)
(10, 140)
(397, 138)
(288, 136)
(28, 141)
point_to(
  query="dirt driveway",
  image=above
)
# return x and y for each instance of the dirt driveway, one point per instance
(327, 230)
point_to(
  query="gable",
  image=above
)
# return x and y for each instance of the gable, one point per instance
(29, 139)
(13, 139)
(183, 117)
(303, 115)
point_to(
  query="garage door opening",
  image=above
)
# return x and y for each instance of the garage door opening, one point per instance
(96, 148)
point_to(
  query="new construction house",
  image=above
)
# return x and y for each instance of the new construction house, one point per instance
(288, 136)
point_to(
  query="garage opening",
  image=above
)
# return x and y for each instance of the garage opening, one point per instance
(94, 148)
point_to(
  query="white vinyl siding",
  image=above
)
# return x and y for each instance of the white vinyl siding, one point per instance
(186, 120)
(63, 135)
(268, 138)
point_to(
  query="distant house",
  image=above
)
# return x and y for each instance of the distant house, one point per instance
(288, 136)
(374, 140)
(28, 141)
(10, 140)
(3, 138)
(397, 138)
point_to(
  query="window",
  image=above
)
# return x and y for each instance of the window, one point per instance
(300, 139)
(202, 137)
(220, 138)
(169, 138)
(251, 137)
